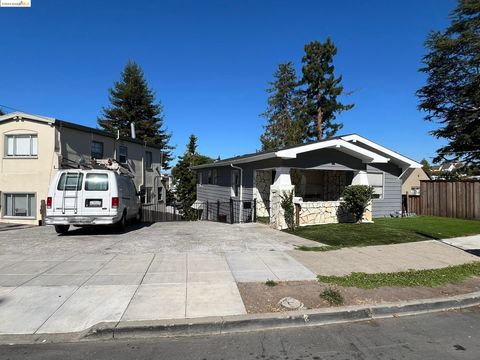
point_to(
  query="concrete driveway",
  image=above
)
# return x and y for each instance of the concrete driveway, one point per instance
(58, 284)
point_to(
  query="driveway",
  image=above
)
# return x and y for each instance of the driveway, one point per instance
(58, 284)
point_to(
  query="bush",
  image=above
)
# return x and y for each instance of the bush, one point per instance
(356, 199)
(271, 283)
(288, 209)
(332, 296)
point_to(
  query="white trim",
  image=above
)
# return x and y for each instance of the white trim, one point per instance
(354, 138)
(17, 115)
(367, 156)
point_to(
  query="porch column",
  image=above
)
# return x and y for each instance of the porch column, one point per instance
(281, 185)
(361, 178)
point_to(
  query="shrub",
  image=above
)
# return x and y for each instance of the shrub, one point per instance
(332, 296)
(356, 199)
(288, 209)
(270, 283)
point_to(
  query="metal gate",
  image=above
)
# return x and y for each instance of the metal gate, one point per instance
(159, 213)
(232, 212)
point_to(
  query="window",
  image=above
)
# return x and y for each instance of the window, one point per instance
(96, 151)
(123, 154)
(148, 159)
(199, 178)
(20, 205)
(96, 182)
(70, 181)
(214, 176)
(22, 145)
(209, 177)
(160, 194)
(376, 181)
(235, 181)
(415, 190)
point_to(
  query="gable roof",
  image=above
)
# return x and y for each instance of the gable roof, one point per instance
(345, 144)
(62, 123)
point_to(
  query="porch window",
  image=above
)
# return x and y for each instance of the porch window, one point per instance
(21, 145)
(21, 205)
(235, 182)
(375, 180)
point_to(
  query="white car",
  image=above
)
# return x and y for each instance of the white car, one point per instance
(91, 197)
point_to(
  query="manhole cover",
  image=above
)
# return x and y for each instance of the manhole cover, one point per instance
(291, 303)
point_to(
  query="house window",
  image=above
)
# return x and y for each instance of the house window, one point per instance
(235, 182)
(122, 154)
(199, 178)
(376, 181)
(209, 177)
(148, 159)
(96, 150)
(214, 177)
(415, 190)
(160, 194)
(22, 205)
(21, 145)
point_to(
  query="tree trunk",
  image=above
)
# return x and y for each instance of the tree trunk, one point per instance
(319, 123)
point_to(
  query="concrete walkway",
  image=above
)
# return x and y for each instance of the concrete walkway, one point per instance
(465, 242)
(383, 258)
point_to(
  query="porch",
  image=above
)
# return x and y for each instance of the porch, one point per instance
(317, 194)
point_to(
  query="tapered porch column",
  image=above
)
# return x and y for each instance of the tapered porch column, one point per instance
(282, 184)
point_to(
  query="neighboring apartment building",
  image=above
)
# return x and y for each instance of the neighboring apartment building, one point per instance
(35, 147)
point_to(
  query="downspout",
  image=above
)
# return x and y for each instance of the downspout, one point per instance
(240, 215)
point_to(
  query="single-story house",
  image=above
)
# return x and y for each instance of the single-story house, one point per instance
(317, 173)
(35, 147)
(411, 180)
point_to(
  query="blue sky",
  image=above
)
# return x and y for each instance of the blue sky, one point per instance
(209, 62)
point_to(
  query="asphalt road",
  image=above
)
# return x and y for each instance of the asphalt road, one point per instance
(450, 335)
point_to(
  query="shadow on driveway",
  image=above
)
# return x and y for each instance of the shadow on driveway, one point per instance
(104, 230)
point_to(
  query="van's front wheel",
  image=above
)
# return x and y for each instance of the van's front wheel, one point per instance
(62, 229)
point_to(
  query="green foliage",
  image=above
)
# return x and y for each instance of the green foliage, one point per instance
(429, 278)
(388, 231)
(1, 112)
(132, 101)
(271, 283)
(185, 178)
(321, 89)
(318, 248)
(356, 199)
(288, 209)
(304, 110)
(283, 126)
(451, 96)
(426, 167)
(332, 296)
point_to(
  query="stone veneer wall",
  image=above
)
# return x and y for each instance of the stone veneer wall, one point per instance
(277, 217)
(261, 191)
(323, 212)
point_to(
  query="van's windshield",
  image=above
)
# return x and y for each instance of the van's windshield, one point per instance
(96, 182)
(70, 181)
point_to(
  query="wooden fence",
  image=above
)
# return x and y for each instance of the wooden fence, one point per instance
(456, 199)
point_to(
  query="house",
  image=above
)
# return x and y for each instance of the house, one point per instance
(316, 172)
(411, 180)
(35, 147)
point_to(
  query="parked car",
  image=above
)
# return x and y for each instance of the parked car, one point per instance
(91, 197)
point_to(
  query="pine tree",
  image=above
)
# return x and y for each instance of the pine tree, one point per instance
(1, 112)
(185, 178)
(284, 126)
(451, 96)
(321, 89)
(132, 101)
(426, 167)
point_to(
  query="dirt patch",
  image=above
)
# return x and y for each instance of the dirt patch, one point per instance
(260, 298)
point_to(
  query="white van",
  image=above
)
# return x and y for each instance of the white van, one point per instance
(91, 197)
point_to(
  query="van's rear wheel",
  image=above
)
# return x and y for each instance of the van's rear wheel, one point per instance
(62, 229)
(122, 223)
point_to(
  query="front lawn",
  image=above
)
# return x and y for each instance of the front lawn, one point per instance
(388, 231)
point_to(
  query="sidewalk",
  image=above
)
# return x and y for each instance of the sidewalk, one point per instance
(54, 294)
(465, 242)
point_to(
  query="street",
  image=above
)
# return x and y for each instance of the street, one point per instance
(449, 335)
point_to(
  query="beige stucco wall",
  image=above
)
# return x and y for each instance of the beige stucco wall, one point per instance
(27, 175)
(414, 180)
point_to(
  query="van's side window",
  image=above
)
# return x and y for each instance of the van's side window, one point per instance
(96, 182)
(70, 181)
(122, 154)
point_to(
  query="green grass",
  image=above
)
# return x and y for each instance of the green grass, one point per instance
(387, 231)
(426, 278)
(332, 296)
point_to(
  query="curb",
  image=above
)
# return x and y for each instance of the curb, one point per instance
(251, 322)
(255, 322)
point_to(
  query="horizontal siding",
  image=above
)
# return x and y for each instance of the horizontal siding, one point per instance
(219, 193)
(392, 193)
